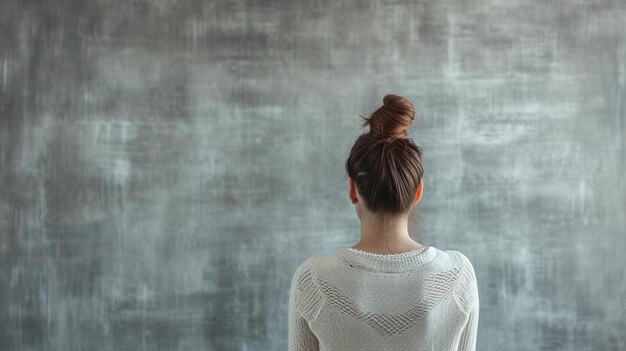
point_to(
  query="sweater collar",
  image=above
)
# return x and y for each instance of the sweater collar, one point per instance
(400, 262)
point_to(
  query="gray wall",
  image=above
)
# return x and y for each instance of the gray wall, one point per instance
(166, 165)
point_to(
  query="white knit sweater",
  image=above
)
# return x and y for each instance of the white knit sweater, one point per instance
(425, 299)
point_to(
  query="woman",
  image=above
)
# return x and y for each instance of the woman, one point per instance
(387, 292)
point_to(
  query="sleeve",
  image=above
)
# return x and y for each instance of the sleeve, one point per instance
(468, 301)
(467, 342)
(304, 302)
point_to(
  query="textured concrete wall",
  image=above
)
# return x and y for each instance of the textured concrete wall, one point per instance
(165, 165)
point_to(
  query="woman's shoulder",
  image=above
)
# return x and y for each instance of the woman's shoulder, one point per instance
(460, 259)
(330, 263)
(466, 285)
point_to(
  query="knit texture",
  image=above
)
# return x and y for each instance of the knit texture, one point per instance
(424, 299)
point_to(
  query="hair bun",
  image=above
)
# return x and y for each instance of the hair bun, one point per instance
(392, 119)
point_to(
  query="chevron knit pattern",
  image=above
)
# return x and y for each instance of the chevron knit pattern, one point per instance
(331, 308)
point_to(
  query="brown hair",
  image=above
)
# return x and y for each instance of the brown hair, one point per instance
(385, 163)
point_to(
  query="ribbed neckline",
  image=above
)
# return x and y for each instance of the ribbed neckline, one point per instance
(401, 262)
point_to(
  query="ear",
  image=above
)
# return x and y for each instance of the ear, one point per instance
(352, 191)
(418, 193)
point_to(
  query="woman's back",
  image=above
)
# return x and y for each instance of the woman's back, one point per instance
(424, 299)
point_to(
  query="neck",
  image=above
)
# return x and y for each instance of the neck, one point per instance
(385, 234)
